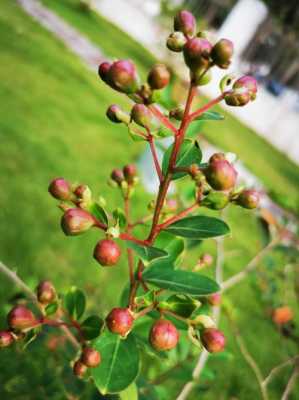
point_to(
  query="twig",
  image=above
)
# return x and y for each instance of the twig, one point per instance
(155, 156)
(162, 118)
(205, 107)
(279, 367)
(290, 383)
(18, 282)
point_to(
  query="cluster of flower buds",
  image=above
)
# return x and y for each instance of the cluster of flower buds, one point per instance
(243, 91)
(124, 178)
(90, 358)
(120, 75)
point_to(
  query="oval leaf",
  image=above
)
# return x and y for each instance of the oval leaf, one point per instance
(189, 153)
(147, 253)
(210, 116)
(74, 302)
(120, 363)
(179, 281)
(198, 227)
(91, 327)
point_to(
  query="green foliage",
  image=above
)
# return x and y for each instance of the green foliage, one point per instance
(74, 303)
(147, 253)
(91, 327)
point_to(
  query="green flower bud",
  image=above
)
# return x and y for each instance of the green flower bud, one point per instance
(249, 198)
(222, 52)
(176, 41)
(215, 201)
(142, 116)
(117, 115)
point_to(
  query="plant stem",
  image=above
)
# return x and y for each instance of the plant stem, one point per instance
(177, 217)
(205, 108)
(290, 384)
(165, 121)
(128, 230)
(155, 156)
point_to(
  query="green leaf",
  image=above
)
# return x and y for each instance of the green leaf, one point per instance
(120, 363)
(91, 327)
(179, 281)
(189, 153)
(198, 227)
(131, 393)
(173, 246)
(146, 253)
(210, 116)
(51, 309)
(75, 302)
(120, 218)
(180, 304)
(99, 212)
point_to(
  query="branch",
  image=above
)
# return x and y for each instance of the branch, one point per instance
(18, 282)
(205, 108)
(165, 121)
(177, 217)
(155, 156)
(290, 384)
(128, 230)
(274, 371)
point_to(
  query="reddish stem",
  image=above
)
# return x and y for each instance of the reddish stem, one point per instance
(155, 156)
(165, 121)
(206, 107)
(129, 251)
(177, 217)
(127, 236)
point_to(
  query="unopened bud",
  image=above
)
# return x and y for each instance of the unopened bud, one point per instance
(117, 115)
(176, 41)
(90, 357)
(79, 369)
(103, 71)
(206, 259)
(249, 198)
(163, 335)
(120, 321)
(21, 318)
(282, 315)
(117, 176)
(222, 52)
(142, 116)
(177, 113)
(158, 76)
(221, 175)
(171, 205)
(217, 157)
(196, 53)
(76, 221)
(185, 22)
(215, 201)
(214, 299)
(60, 189)
(205, 321)
(83, 192)
(249, 83)
(107, 252)
(244, 90)
(46, 293)
(130, 172)
(6, 338)
(123, 76)
(213, 340)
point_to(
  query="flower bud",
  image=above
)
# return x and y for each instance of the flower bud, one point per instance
(79, 369)
(206, 259)
(221, 175)
(249, 198)
(90, 357)
(158, 76)
(205, 321)
(103, 71)
(196, 53)
(21, 318)
(249, 83)
(282, 315)
(163, 335)
(214, 299)
(185, 22)
(176, 41)
(117, 115)
(213, 340)
(130, 172)
(120, 321)
(107, 252)
(201, 77)
(215, 201)
(123, 76)
(83, 192)
(237, 98)
(46, 293)
(171, 205)
(244, 90)
(117, 176)
(142, 116)
(217, 157)
(76, 221)
(60, 189)
(6, 338)
(222, 52)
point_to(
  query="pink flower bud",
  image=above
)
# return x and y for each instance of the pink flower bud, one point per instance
(21, 318)
(130, 172)
(176, 41)
(214, 299)
(103, 71)
(158, 76)
(123, 77)
(163, 335)
(83, 192)
(120, 321)
(249, 198)
(6, 338)
(249, 83)
(222, 52)
(107, 252)
(213, 340)
(221, 175)
(206, 259)
(79, 369)
(185, 22)
(117, 115)
(60, 189)
(90, 357)
(142, 116)
(117, 176)
(196, 53)
(46, 293)
(76, 221)
(217, 157)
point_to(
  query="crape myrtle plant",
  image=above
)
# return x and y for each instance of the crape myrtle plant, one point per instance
(159, 289)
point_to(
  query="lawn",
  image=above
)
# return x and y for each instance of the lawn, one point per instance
(52, 123)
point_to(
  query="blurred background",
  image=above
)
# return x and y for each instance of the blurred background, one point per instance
(52, 123)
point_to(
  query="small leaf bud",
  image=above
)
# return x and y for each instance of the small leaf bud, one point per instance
(123, 77)
(46, 293)
(6, 338)
(249, 198)
(60, 189)
(21, 318)
(76, 221)
(90, 357)
(213, 340)
(158, 76)
(107, 252)
(163, 335)
(176, 41)
(185, 22)
(222, 52)
(120, 321)
(117, 115)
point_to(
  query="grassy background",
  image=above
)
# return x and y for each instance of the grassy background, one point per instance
(52, 123)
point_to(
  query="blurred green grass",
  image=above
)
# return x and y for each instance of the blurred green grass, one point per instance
(52, 123)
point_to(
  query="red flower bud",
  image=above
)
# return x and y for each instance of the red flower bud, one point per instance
(222, 52)
(103, 71)
(249, 83)
(163, 335)
(197, 52)
(214, 299)
(130, 172)
(117, 176)
(282, 315)
(6, 338)
(107, 252)
(46, 293)
(249, 198)
(60, 189)
(76, 221)
(117, 115)
(79, 369)
(185, 22)
(120, 321)
(21, 318)
(221, 175)
(176, 41)
(158, 76)
(213, 340)
(90, 357)
(142, 116)
(123, 77)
